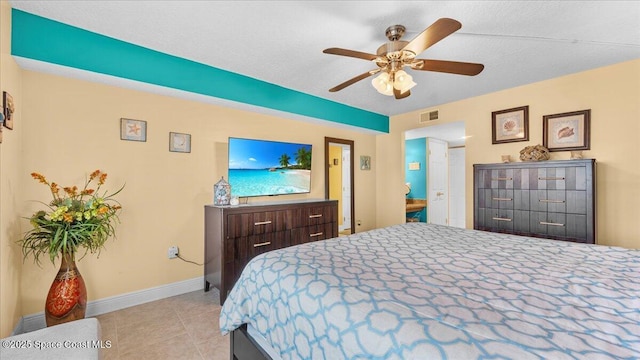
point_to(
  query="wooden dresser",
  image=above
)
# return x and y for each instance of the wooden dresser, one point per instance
(236, 234)
(547, 199)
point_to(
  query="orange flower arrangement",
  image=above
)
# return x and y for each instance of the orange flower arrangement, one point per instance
(76, 218)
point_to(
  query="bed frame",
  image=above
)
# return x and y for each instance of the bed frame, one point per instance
(243, 347)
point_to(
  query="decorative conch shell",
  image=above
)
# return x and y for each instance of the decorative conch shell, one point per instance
(565, 132)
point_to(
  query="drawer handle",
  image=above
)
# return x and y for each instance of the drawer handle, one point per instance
(262, 223)
(501, 178)
(501, 219)
(550, 223)
(502, 199)
(315, 216)
(316, 234)
(551, 201)
(551, 178)
(262, 244)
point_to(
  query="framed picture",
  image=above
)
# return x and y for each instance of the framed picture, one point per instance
(179, 142)
(510, 125)
(8, 109)
(133, 130)
(566, 131)
(365, 162)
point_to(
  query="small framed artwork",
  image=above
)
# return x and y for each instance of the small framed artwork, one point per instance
(365, 162)
(510, 125)
(133, 130)
(8, 109)
(179, 142)
(567, 131)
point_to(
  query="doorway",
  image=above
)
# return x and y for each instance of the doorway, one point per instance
(454, 135)
(339, 180)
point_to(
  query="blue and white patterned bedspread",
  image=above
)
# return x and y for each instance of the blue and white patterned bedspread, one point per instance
(419, 291)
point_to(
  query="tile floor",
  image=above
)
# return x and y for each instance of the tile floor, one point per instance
(179, 327)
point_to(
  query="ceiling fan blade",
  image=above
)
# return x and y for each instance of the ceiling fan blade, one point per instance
(401, 95)
(451, 67)
(353, 80)
(350, 53)
(437, 31)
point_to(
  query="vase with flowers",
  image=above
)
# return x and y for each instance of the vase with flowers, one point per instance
(75, 220)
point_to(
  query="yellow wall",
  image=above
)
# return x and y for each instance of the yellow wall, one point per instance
(613, 95)
(10, 184)
(72, 127)
(335, 178)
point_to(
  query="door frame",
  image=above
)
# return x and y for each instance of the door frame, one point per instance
(327, 161)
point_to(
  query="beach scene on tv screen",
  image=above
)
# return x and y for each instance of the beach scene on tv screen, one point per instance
(258, 167)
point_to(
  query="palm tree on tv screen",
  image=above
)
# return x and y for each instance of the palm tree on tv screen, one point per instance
(284, 160)
(303, 157)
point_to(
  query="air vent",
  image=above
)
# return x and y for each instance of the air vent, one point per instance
(429, 116)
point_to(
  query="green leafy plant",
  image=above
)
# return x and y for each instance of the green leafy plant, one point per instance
(76, 218)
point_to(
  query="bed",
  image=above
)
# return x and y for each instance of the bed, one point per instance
(423, 291)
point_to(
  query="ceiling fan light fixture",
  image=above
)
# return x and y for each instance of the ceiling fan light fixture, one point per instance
(403, 81)
(383, 84)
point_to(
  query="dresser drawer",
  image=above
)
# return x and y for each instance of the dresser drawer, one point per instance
(315, 215)
(548, 178)
(548, 200)
(548, 224)
(495, 179)
(257, 223)
(502, 198)
(496, 198)
(313, 233)
(499, 220)
(247, 247)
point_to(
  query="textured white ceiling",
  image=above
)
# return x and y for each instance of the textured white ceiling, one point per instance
(519, 42)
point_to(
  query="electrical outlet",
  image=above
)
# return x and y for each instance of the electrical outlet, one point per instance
(173, 252)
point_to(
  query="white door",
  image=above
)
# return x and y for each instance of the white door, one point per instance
(346, 188)
(437, 182)
(456, 188)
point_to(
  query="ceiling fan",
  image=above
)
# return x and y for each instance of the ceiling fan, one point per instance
(394, 55)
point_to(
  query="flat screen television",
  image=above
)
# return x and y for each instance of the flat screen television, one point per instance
(265, 168)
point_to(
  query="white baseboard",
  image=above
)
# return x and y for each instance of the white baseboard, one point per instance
(102, 306)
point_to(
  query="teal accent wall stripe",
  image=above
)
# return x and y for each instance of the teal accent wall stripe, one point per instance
(43, 39)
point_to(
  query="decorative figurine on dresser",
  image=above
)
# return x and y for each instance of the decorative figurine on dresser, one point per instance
(547, 199)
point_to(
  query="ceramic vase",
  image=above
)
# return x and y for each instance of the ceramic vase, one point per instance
(67, 297)
(221, 192)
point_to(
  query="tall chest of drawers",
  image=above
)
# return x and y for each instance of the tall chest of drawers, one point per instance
(236, 234)
(548, 199)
